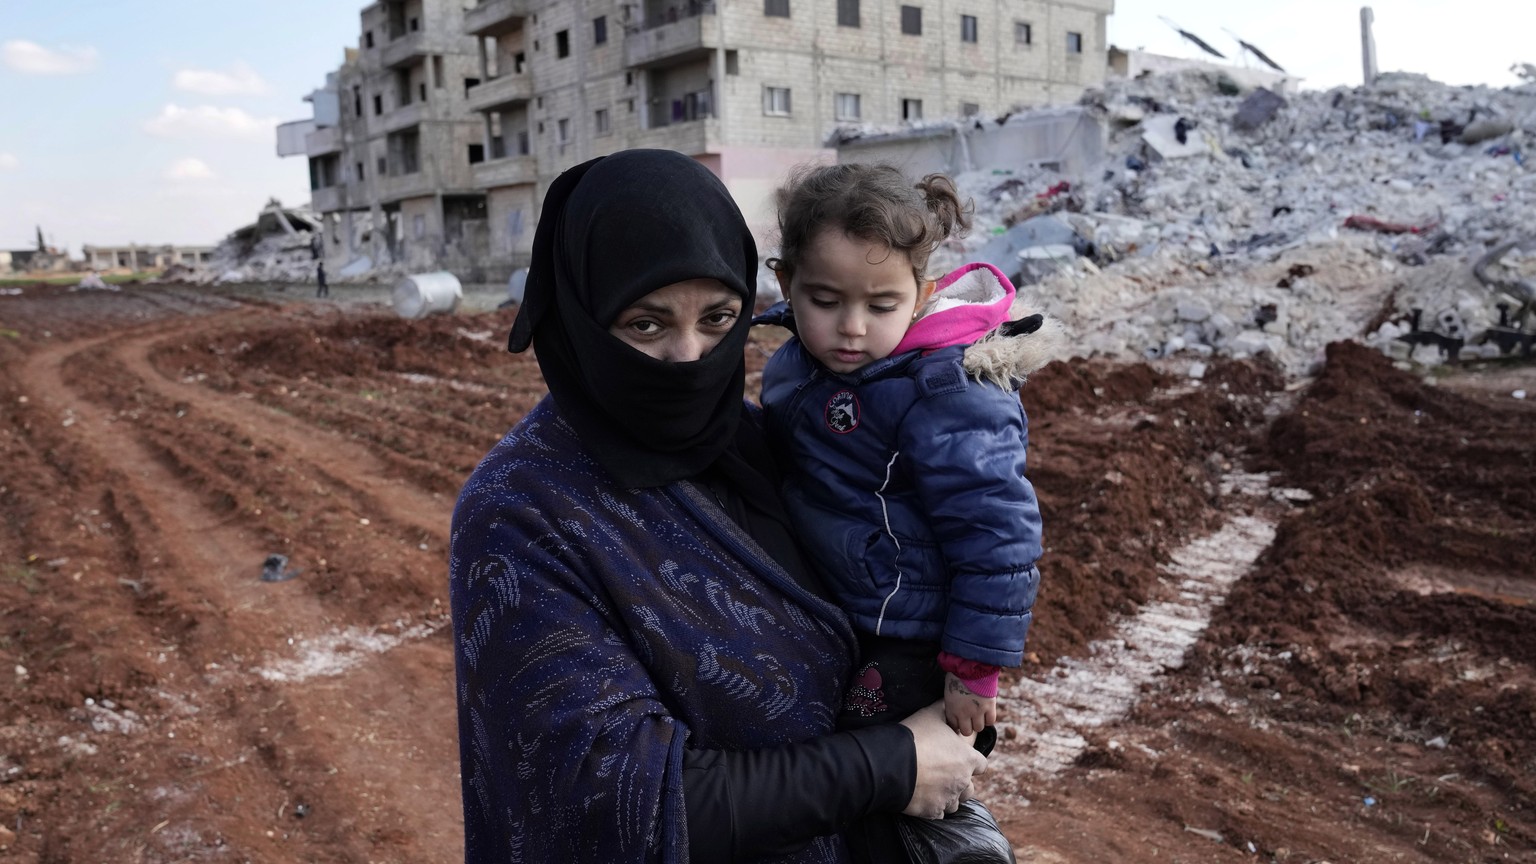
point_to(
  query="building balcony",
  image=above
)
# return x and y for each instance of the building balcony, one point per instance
(328, 200)
(500, 91)
(693, 137)
(495, 17)
(399, 187)
(323, 141)
(691, 37)
(291, 137)
(408, 50)
(511, 171)
(407, 116)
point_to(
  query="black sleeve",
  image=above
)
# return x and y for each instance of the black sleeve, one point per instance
(756, 803)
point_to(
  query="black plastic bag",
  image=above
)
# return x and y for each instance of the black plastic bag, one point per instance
(967, 836)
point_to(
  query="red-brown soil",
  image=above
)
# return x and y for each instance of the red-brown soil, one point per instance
(162, 703)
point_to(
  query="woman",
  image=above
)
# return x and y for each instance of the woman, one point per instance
(647, 671)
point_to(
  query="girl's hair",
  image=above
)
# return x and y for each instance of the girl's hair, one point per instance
(874, 203)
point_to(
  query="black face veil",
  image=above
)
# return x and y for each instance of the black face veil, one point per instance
(613, 230)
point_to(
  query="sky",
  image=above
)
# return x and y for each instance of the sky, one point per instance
(152, 121)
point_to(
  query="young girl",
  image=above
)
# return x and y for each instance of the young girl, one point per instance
(899, 418)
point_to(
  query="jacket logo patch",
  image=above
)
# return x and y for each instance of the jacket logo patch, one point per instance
(843, 412)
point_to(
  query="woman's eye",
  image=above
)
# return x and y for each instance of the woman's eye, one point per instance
(882, 309)
(823, 304)
(721, 318)
(645, 327)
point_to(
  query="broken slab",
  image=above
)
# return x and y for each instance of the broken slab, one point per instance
(1259, 108)
(1161, 135)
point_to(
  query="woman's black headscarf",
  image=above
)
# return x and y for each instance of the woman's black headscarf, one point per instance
(611, 231)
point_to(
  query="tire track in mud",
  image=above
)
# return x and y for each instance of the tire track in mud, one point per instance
(368, 748)
(1049, 718)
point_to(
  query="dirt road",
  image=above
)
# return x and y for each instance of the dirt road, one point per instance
(1276, 624)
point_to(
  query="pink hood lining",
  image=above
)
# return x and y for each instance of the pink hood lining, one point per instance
(966, 304)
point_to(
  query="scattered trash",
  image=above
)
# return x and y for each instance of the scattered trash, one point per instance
(1518, 394)
(1197, 370)
(300, 811)
(275, 569)
(1206, 833)
(1436, 743)
(1369, 223)
(1369, 801)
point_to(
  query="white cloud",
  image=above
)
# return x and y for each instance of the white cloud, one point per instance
(174, 121)
(189, 169)
(239, 80)
(9, 162)
(30, 58)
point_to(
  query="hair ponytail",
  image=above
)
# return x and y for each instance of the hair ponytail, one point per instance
(943, 200)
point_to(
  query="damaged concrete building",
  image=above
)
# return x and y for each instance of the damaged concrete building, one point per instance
(136, 257)
(433, 144)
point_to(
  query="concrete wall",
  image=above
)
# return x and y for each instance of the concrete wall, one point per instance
(1133, 64)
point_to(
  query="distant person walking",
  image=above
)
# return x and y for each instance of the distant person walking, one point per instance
(324, 290)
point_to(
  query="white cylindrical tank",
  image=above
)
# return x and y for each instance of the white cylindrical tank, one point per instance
(426, 293)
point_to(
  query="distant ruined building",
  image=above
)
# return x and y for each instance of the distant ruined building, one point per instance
(433, 143)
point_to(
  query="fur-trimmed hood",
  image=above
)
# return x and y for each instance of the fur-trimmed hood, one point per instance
(977, 306)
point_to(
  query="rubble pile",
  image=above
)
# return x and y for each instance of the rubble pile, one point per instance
(1257, 224)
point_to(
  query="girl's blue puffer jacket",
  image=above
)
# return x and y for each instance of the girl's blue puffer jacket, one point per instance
(907, 486)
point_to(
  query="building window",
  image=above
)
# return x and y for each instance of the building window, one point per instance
(476, 154)
(415, 24)
(359, 172)
(846, 106)
(421, 90)
(776, 8)
(776, 101)
(357, 101)
(912, 20)
(519, 63)
(732, 62)
(522, 143)
(470, 84)
(368, 39)
(437, 71)
(599, 29)
(969, 109)
(1074, 43)
(911, 109)
(383, 168)
(563, 44)
(600, 122)
(967, 28)
(847, 13)
(1023, 33)
(378, 104)
(562, 131)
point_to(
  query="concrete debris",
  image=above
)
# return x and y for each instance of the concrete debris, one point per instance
(1259, 108)
(1329, 215)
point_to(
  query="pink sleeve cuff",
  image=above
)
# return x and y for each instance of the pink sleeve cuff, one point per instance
(979, 678)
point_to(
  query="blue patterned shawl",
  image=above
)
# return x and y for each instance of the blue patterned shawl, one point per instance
(601, 629)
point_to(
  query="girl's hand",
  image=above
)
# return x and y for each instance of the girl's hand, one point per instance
(964, 711)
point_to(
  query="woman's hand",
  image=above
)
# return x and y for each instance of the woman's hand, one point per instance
(946, 764)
